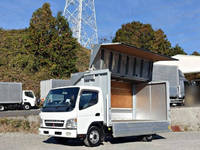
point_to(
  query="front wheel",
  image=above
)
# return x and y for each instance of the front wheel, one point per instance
(93, 137)
(27, 106)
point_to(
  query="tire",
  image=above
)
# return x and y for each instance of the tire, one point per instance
(27, 106)
(2, 108)
(93, 137)
(147, 138)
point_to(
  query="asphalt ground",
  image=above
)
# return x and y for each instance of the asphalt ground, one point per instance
(17, 113)
(164, 141)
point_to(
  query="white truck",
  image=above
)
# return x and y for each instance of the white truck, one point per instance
(176, 80)
(115, 102)
(13, 97)
(47, 85)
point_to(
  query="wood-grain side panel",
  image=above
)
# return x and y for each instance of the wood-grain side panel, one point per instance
(121, 95)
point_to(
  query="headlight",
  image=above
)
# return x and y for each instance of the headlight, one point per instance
(71, 124)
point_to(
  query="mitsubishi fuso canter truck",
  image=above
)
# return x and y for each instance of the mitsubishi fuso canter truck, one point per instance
(115, 98)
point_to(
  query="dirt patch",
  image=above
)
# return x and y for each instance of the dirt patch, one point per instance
(187, 118)
(18, 125)
(176, 129)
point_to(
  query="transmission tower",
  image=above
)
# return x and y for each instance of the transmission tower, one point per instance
(81, 16)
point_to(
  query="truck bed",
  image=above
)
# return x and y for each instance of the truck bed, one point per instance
(123, 128)
(11, 93)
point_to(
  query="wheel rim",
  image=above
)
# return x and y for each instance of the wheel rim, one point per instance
(26, 106)
(94, 137)
(149, 137)
(1, 108)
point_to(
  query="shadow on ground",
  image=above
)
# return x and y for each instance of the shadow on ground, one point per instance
(77, 142)
(64, 141)
(158, 137)
(132, 139)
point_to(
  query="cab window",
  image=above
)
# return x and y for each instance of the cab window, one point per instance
(88, 99)
(29, 94)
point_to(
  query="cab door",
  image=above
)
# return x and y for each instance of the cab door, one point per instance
(89, 110)
(29, 97)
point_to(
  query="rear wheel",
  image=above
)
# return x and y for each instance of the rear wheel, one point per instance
(27, 106)
(2, 108)
(147, 138)
(93, 137)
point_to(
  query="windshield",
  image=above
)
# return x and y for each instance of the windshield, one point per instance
(29, 94)
(60, 100)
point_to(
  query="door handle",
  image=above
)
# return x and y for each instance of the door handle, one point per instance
(97, 114)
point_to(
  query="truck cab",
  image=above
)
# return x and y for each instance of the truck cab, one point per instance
(70, 111)
(29, 99)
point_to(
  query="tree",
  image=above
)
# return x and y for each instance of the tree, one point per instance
(144, 36)
(196, 53)
(50, 43)
(39, 37)
(64, 48)
(177, 50)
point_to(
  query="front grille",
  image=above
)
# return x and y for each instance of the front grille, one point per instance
(58, 133)
(54, 123)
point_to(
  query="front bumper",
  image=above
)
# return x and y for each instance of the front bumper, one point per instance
(58, 132)
(33, 104)
(177, 101)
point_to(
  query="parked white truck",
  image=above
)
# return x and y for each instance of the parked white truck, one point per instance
(115, 98)
(12, 96)
(176, 80)
(47, 85)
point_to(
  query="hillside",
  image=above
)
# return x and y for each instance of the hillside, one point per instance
(12, 54)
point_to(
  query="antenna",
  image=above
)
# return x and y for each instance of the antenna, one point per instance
(81, 16)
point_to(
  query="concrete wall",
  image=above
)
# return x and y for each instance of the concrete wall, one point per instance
(185, 119)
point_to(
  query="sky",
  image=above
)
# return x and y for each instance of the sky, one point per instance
(179, 19)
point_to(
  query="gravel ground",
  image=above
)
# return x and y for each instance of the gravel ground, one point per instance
(17, 113)
(166, 141)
